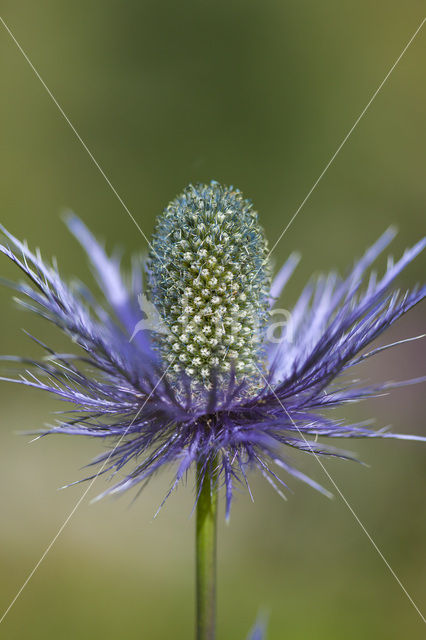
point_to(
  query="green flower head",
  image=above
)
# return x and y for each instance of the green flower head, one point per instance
(209, 280)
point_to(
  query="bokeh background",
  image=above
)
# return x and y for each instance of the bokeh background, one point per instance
(259, 95)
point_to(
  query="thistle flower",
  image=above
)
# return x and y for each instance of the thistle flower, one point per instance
(211, 389)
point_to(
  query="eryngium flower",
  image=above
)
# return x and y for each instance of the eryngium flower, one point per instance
(229, 418)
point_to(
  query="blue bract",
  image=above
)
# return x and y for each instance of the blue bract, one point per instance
(207, 382)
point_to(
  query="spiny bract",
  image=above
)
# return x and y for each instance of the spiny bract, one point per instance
(209, 280)
(117, 383)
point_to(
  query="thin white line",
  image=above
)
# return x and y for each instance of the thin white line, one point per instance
(347, 503)
(333, 157)
(80, 500)
(102, 172)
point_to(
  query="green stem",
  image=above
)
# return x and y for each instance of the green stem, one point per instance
(206, 528)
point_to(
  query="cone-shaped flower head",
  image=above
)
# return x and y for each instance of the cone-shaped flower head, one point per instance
(209, 280)
(212, 388)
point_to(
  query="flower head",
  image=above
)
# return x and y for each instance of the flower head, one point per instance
(237, 399)
(209, 280)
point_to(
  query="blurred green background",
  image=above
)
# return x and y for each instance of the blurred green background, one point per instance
(259, 95)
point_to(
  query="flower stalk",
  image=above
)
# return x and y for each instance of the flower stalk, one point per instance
(206, 534)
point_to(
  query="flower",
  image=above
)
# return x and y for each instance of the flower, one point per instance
(241, 402)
